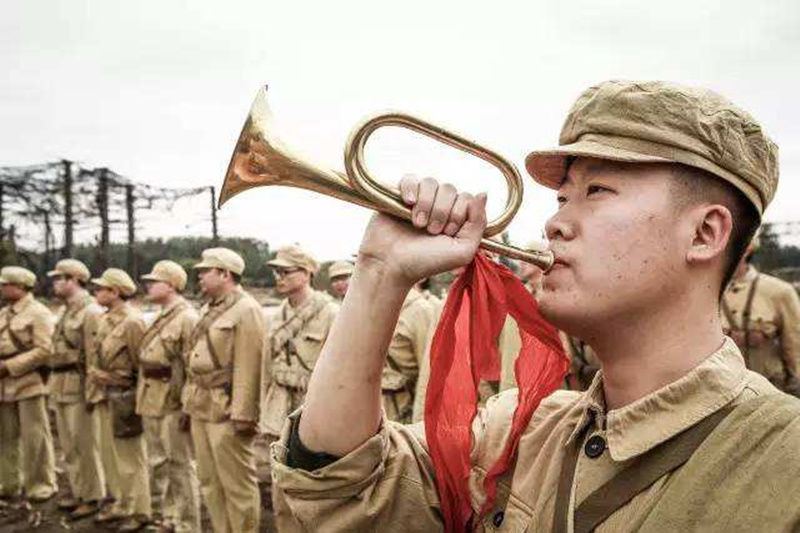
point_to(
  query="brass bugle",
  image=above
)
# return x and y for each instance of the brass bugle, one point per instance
(260, 159)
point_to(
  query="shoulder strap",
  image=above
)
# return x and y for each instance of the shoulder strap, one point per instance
(726, 310)
(636, 477)
(205, 324)
(210, 317)
(161, 322)
(748, 307)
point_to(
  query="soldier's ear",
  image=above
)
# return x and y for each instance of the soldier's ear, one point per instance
(712, 226)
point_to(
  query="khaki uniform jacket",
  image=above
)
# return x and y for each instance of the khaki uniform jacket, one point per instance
(116, 349)
(224, 362)
(26, 343)
(73, 340)
(774, 325)
(164, 348)
(286, 374)
(387, 483)
(406, 355)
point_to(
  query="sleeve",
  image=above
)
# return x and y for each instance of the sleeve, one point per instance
(91, 321)
(42, 327)
(134, 332)
(248, 350)
(189, 321)
(789, 309)
(386, 484)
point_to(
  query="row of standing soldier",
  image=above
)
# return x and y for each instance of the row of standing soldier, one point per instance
(133, 401)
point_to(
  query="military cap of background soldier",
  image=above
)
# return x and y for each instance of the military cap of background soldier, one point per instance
(222, 258)
(662, 122)
(115, 278)
(17, 275)
(294, 256)
(72, 268)
(170, 273)
(341, 268)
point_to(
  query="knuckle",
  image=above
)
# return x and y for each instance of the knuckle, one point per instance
(429, 182)
(448, 188)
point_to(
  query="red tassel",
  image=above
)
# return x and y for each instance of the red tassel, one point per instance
(463, 352)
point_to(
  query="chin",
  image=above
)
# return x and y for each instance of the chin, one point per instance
(562, 311)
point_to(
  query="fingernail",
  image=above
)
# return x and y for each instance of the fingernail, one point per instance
(409, 198)
(451, 228)
(422, 218)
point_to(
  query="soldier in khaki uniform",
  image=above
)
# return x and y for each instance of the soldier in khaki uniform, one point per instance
(222, 392)
(660, 187)
(162, 373)
(73, 341)
(27, 463)
(339, 274)
(295, 336)
(762, 314)
(111, 393)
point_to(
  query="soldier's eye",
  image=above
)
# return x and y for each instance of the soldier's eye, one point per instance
(592, 189)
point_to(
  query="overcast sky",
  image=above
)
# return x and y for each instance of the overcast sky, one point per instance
(158, 90)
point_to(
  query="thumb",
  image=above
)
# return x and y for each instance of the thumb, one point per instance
(475, 225)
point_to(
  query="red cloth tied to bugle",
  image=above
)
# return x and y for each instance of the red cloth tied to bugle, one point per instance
(463, 352)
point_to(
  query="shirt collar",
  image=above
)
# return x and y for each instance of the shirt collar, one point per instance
(22, 303)
(640, 426)
(172, 305)
(118, 312)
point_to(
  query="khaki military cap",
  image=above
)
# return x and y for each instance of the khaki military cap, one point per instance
(222, 258)
(294, 256)
(18, 276)
(169, 272)
(658, 122)
(341, 268)
(115, 278)
(72, 268)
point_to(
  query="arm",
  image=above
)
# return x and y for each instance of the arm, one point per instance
(42, 347)
(248, 348)
(789, 309)
(134, 332)
(392, 257)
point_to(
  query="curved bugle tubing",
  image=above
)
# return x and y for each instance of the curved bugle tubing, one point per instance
(260, 159)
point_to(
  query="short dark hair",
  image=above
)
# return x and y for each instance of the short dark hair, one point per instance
(692, 185)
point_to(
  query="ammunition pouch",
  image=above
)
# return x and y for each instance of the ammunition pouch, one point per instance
(122, 403)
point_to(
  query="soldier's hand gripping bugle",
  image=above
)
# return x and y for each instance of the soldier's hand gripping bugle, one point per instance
(343, 403)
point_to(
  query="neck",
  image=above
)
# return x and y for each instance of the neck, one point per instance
(299, 296)
(223, 292)
(648, 351)
(74, 297)
(116, 304)
(168, 300)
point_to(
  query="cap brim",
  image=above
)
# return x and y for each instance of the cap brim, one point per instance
(152, 277)
(100, 282)
(204, 265)
(280, 263)
(548, 167)
(52, 273)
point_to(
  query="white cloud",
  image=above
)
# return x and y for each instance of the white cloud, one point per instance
(158, 90)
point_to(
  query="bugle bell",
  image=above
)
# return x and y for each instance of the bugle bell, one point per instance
(260, 159)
